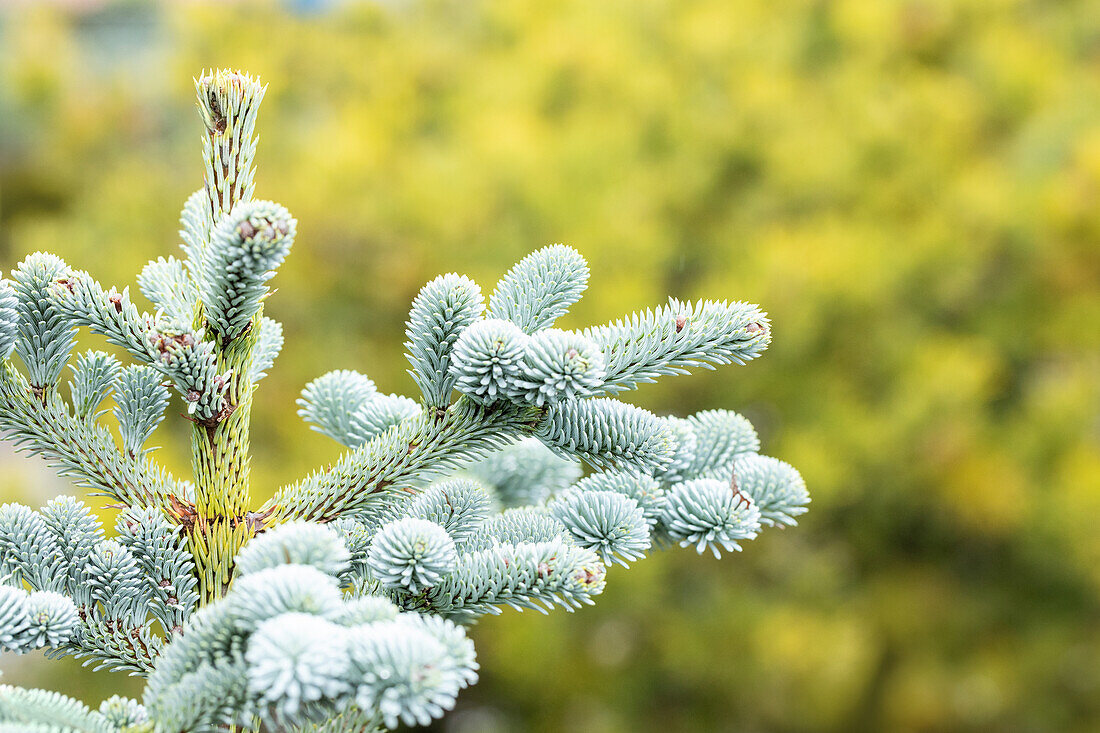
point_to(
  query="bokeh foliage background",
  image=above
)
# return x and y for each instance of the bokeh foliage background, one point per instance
(909, 187)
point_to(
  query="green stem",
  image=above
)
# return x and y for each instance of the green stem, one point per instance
(228, 104)
(221, 461)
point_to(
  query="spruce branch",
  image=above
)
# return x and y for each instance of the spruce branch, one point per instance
(140, 402)
(196, 222)
(709, 513)
(459, 506)
(488, 358)
(335, 605)
(525, 472)
(120, 645)
(86, 451)
(30, 621)
(285, 649)
(411, 554)
(330, 400)
(167, 568)
(379, 414)
(247, 246)
(641, 487)
(540, 288)
(45, 335)
(91, 597)
(168, 285)
(440, 312)
(519, 524)
(77, 531)
(677, 336)
(94, 377)
(39, 710)
(233, 245)
(229, 104)
(170, 347)
(720, 436)
(535, 575)
(610, 523)
(776, 488)
(557, 366)
(269, 342)
(607, 433)
(426, 445)
(29, 550)
(9, 319)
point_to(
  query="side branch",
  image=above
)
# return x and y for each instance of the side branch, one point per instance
(40, 422)
(112, 644)
(403, 457)
(171, 348)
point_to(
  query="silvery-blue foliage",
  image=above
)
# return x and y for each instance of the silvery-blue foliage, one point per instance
(708, 513)
(608, 522)
(557, 366)
(521, 524)
(45, 336)
(677, 336)
(296, 659)
(377, 415)
(116, 581)
(77, 532)
(607, 433)
(355, 620)
(122, 712)
(246, 248)
(513, 481)
(720, 437)
(540, 288)
(40, 711)
(441, 311)
(459, 506)
(283, 589)
(53, 619)
(285, 648)
(685, 444)
(30, 551)
(298, 543)
(94, 378)
(330, 400)
(411, 554)
(167, 285)
(487, 359)
(403, 672)
(641, 487)
(140, 402)
(169, 345)
(9, 319)
(525, 473)
(775, 486)
(167, 570)
(269, 342)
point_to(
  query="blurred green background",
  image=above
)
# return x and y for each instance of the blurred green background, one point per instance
(909, 187)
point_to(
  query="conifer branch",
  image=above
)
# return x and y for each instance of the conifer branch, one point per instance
(405, 457)
(42, 424)
(337, 604)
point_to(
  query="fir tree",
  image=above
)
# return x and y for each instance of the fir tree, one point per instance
(340, 604)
